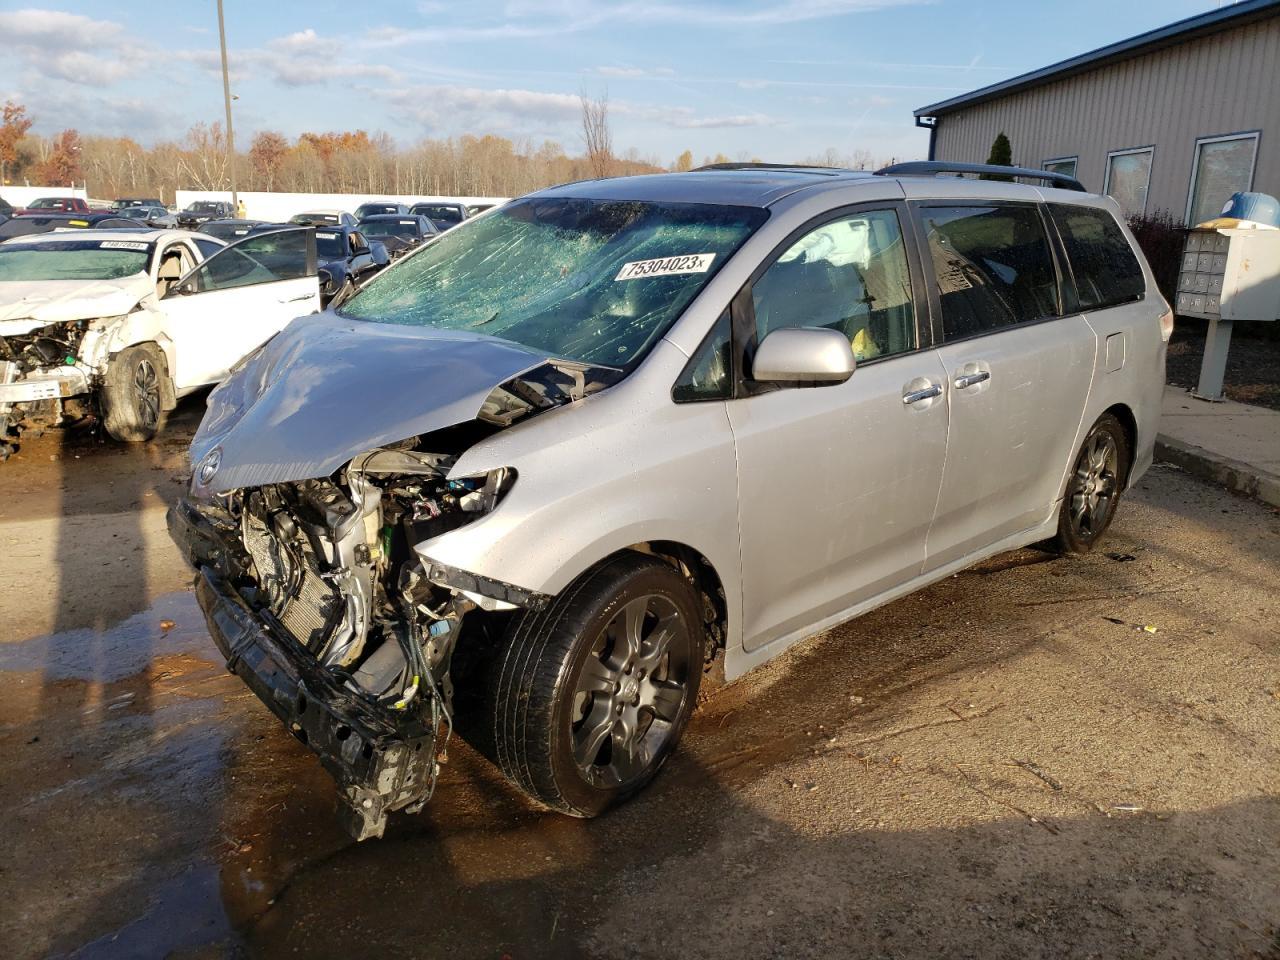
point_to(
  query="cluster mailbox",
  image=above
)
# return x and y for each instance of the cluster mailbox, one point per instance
(1226, 275)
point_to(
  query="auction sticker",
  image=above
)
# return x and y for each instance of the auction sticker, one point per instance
(666, 266)
(122, 245)
(327, 236)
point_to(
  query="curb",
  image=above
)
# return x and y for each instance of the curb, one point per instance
(1233, 474)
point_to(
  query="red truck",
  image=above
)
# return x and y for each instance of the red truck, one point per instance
(56, 205)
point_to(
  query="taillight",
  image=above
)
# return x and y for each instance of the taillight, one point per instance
(1166, 325)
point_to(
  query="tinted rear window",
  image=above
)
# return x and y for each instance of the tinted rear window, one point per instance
(992, 265)
(1105, 269)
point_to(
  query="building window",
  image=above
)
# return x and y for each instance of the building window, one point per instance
(1222, 166)
(1128, 176)
(1065, 165)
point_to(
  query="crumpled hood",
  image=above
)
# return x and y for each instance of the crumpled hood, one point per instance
(31, 304)
(327, 388)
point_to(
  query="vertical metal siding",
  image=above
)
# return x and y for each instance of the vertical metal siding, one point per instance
(1228, 82)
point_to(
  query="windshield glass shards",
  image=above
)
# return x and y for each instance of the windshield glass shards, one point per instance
(594, 281)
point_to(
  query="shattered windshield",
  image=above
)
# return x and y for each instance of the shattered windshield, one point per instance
(594, 281)
(74, 260)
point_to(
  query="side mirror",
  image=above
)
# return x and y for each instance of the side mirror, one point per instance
(379, 251)
(804, 355)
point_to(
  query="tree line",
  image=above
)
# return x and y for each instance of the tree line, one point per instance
(354, 162)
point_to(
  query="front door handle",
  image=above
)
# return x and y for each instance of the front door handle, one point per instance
(969, 379)
(305, 296)
(925, 393)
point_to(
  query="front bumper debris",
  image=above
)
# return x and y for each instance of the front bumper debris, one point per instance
(382, 761)
(68, 382)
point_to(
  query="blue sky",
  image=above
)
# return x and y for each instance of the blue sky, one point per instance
(775, 79)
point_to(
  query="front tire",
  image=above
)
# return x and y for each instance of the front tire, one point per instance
(133, 394)
(591, 695)
(1093, 489)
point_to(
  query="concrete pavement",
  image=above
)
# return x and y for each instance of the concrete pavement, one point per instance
(1233, 444)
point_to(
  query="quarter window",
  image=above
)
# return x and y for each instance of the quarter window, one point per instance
(1223, 166)
(709, 374)
(849, 275)
(1105, 269)
(1128, 176)
(993, 267)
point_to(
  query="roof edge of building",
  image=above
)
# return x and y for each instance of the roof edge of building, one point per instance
(1203, 24)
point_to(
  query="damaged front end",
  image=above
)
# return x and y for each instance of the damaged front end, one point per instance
(41, 370)
(315, 591)
(315, 596)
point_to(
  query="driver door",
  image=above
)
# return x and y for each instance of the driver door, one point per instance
(236, 300)
(837, 483)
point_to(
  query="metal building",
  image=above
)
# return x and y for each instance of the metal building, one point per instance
(1173, 121)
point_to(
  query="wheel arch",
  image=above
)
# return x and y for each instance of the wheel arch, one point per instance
(1124, 414)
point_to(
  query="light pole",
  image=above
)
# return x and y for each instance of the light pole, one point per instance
(226, 96)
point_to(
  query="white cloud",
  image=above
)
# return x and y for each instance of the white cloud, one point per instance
(633, 72)
(474, 106)
(65, 46)
(540, 18)
(715, 123)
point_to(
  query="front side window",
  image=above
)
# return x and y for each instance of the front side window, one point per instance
(849, 275)
(74, 260)
(1223, 166)
(1105, 269)
(1128, 176)
(264, 258)
(595, 281)
(992, 265)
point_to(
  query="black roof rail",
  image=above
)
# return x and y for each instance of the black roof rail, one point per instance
(931, 168)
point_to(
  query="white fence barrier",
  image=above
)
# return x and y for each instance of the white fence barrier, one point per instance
(282, 206)
(21, 196)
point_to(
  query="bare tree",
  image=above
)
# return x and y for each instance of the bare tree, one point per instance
(596, 133)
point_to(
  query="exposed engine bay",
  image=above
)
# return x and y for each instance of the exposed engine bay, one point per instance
(330, 564)
(311, 559)
(48, 349)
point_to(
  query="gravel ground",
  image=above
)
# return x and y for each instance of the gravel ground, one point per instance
(1007, 764)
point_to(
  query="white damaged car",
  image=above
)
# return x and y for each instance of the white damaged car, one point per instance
(122, 323)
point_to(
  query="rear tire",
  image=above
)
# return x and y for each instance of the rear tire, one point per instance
(1098, 477)
(590, 696)
(134, 392)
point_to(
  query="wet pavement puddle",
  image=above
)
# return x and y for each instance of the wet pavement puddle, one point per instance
(172, 624)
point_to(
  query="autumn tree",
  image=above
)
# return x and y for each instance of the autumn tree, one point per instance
(684, 162)
(14, 124)
(596, 134)
(266, 154)
(62, 165)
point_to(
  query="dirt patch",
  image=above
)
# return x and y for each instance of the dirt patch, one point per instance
(1253, 364)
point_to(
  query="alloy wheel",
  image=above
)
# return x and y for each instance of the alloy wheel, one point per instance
(630, 692)
(147, 384)
(1096, 484)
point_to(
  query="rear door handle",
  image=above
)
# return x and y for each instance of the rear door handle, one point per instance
(925, 393)
(969, 379)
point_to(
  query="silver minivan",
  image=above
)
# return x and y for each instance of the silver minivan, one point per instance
(539, 477)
